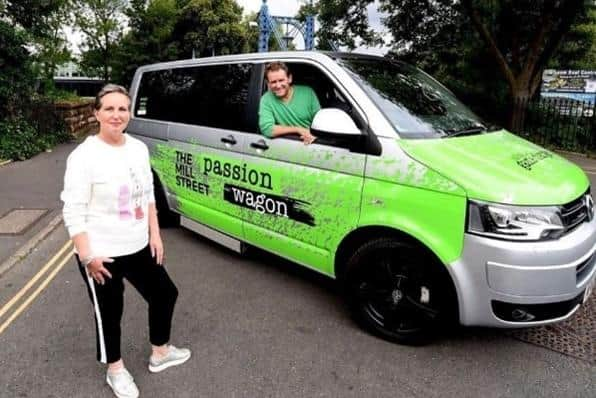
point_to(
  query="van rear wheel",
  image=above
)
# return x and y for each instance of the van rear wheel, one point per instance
(395, 291)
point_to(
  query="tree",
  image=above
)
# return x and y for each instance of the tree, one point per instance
(30, 15)
(51, 45)
(40, 23)
(102, 23)
(164, 30)
(16, 78)
(578, 50)
(533, 30)
(151, 25)
(251, 27)
(517, 37)
(209, 27)
(342, 23)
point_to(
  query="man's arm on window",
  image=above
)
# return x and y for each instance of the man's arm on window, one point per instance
(266, 119)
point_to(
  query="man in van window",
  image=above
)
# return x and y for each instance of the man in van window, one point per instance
(286, 108)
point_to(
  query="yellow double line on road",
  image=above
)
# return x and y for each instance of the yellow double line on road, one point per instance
(61, 258)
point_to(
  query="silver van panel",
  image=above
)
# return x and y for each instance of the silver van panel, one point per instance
(521, 273)
(148, 128)
(368, 110)
(205, 136)
(212, 234)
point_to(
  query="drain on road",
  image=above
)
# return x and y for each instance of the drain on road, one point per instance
(575, 337)
(17, 221)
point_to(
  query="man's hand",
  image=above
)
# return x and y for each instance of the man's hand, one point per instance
(304, 133)
(97, 271)
(306, 136)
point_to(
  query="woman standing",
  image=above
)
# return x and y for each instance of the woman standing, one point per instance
(110, 214)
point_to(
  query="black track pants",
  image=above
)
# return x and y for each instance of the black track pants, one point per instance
(150, 280)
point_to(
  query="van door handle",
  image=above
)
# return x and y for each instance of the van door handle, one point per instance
(230, 140)
(260, 144)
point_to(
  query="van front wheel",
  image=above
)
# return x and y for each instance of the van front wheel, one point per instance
(395, 290)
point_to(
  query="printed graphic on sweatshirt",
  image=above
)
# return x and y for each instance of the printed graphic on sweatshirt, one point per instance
(137, 194)
(269, 204)
(131, 199)
(124, 203)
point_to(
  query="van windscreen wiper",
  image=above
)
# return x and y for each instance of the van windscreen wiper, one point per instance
(471, 130)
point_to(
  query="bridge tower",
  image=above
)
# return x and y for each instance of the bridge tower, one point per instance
(270, 24)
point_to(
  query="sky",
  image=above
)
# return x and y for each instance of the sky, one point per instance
(276, 7)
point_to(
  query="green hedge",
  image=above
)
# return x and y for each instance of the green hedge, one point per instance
(20, 140)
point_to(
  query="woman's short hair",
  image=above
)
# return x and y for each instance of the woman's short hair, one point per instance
(107, 89)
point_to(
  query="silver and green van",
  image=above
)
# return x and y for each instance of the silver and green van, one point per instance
(424, 212)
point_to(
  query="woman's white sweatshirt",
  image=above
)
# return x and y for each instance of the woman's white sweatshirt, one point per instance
(107, 190)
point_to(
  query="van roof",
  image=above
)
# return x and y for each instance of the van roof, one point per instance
(322, 56)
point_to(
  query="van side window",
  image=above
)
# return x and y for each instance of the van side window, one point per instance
(328, 94)
(210, 95)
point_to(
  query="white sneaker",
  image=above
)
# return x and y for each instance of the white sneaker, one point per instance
(123, 384)
(175, 356)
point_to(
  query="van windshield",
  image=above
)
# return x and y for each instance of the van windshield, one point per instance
(416, 104)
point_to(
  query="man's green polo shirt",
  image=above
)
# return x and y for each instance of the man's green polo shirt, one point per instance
(299, 111)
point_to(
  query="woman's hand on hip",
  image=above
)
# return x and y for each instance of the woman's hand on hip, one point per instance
(97, 271)
(156, 246)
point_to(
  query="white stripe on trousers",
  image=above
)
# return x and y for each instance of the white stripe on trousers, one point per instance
(103, 358)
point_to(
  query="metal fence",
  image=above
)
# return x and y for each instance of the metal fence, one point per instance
(559, 123)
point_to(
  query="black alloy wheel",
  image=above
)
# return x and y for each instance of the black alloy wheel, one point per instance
(397, 291)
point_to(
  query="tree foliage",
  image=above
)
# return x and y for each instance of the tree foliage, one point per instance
(148, 39)
(578, 49)
(16, 78)
(209, 27)
(41, 24)
(51, 45)
(342, 23)
(470, 42)
(164, 30)
(102, 25)
(30, 15)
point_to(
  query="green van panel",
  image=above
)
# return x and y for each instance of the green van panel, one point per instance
(501, 167)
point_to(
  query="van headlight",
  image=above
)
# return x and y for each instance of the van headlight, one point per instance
(521, 223)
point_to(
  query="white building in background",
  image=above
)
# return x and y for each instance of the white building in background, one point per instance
(69, 69)
(69, 77)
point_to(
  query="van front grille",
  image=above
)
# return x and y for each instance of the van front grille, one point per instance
(576, 212)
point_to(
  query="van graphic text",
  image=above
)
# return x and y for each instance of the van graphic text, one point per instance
(237, 172)
(529, 160)
(185, 174)
(268, 204)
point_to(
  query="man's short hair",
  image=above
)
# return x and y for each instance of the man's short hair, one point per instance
(275, 66)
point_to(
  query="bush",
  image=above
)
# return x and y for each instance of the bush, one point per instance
(19, 140)
(28, 123)
(16, 77)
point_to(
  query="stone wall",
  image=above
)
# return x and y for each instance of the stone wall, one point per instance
(78, 117)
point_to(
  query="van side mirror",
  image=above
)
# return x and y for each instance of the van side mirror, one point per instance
(333, 122)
